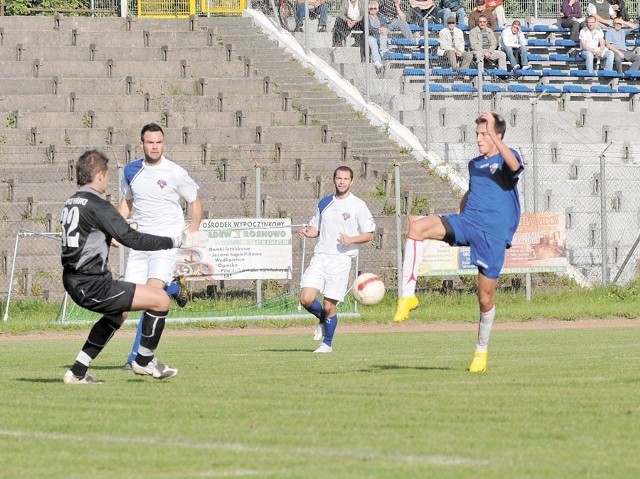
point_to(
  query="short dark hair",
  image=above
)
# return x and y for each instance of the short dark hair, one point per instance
(150, 127)
(343, 168)
(500, 126)
(90, 163)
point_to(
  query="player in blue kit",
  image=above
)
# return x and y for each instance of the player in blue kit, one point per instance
(341, 222)
(488, 217)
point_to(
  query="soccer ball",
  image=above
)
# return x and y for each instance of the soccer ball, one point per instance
(368, 288)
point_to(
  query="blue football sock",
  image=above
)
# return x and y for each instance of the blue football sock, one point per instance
(330, 326)
(316, 310)
(172, 289)
(136, 341)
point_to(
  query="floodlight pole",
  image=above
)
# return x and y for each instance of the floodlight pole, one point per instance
(398, 228)
(367, 56)
(427, 89)
(258, 215)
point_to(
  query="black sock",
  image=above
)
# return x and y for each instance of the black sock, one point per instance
(152, 327)
(99, 336)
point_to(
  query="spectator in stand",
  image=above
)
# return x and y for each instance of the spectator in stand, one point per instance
(317, 9)
(481, 10)
(451, 7)
(602, 11)
(572, 18)
(451, 45)
(616, 42)
(484, 44)
(421, 9)
(397, 19)
(349, 18)
(620, 9)
(378, 31)
(513, 43)
(593, 46)
(495, 7)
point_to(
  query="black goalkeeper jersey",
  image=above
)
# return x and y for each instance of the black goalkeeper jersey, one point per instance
(88, 225)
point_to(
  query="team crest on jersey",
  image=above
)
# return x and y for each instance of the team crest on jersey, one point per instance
(346, 216)
(493, 167)
(162, 183)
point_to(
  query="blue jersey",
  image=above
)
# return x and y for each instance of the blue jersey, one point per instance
(493, 202)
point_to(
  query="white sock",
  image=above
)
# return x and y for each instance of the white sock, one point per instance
(84, 358)
(484, 329)
(413, 256)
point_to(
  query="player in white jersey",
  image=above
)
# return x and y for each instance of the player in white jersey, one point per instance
(342, 221)
(151, 189)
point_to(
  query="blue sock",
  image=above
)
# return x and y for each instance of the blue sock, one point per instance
(172, 289)
(316, 310)
(136, 341)
(330, 326)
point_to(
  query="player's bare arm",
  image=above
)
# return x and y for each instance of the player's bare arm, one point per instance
(308, 232)
(196, 216)
(360, 239)
(509, 158)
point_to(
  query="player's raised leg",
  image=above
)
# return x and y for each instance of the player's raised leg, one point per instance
(420, 229)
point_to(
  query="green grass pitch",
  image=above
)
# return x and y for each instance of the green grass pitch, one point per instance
(553, 404)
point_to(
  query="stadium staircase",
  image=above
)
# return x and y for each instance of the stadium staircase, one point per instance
(228, 99)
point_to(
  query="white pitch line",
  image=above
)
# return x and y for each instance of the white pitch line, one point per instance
(236, 447)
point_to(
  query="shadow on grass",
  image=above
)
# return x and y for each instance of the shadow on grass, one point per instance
(292, 350)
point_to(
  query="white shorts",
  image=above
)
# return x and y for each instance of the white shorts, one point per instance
(142, 265)
(329, 274)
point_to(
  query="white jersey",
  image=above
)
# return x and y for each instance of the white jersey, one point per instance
(156, 191)
(333, 216)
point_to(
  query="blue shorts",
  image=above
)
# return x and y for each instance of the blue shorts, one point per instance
(487, 251)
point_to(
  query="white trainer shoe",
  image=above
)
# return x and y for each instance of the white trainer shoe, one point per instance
(155, 369)
(318, 333)
(70, 379)
(323, 348)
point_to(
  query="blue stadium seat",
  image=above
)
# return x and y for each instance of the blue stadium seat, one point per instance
(632, 74)
(436, 88)
(397, 56)
(561, 57)
(463, 87)
(574, 89)
(538, 42)
(602, 89)
(492, 87)
(518, 88)
(433, 42)
(420, 56)
(528, 73)
(403, 42)
(535, 57)
(565, 42)
(549, 28)
(610, 74)
(413, 71)
(581, 73)
(415, 28)
(548, 89)
(472, 72)
(443, 71)
(554, 72)
(628, 89)
(498, 72)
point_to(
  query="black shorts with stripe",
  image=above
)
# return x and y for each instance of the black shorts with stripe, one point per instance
(100, 294)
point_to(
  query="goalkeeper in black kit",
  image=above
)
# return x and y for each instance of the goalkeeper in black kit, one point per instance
(89, 223)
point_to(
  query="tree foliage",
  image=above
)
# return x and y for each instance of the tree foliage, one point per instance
(23, 7)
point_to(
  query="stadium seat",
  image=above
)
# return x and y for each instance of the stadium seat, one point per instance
(549, 28)
(463, 87)
(397, 56)
(433, 42)
(565, 42)
(498, 72)
(628, 89)
(610, 74)
(574, 89)
(554, 72)
(403, 42)
(581, 73)
(632, 74)
(538, 42)
(472, 72)
(443, 71)
(436, 88)
(420, 56)
(518, 88)
(413, 71)
(492, 88)
(548, 89)
(602, 89)
(535, 57)
(561, 57)
(528, 73)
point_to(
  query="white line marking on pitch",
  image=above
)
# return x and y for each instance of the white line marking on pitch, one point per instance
(370, 455)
